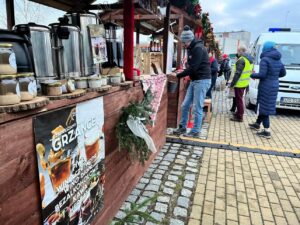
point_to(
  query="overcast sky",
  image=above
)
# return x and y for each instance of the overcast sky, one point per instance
(255, 16)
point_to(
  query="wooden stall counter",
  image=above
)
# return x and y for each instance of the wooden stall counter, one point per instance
(19, 185)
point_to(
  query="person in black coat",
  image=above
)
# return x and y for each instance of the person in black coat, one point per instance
(198, 69)
(270, 70)
(214, 74)
(225, 68)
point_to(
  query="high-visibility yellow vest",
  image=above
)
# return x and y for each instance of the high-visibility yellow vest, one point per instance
(245, 77)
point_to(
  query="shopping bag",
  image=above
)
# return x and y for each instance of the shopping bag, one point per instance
(230, 92)
(220, 83)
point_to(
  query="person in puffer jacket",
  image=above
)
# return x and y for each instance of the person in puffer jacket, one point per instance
(270, 70)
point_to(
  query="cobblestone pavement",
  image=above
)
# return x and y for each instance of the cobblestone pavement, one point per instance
(173, 175)
(246, 188)
(285, 129)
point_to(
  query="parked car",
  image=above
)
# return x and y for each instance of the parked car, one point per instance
(288, 44)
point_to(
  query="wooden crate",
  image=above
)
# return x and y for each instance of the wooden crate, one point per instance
(149, 58)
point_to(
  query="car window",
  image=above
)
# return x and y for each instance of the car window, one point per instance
(290, 54)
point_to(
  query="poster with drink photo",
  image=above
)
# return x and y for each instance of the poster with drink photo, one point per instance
(70, 154)
(97, 35)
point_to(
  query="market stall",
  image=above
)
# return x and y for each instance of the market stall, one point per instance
(65, 159)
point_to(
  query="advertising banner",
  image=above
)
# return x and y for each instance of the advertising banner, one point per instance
(70, 154)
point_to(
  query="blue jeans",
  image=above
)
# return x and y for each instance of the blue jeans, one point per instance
(213, 84)
(195, 95)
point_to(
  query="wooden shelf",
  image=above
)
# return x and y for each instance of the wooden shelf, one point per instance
(26, 105)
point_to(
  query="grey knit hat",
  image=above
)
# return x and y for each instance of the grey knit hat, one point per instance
(187, 35)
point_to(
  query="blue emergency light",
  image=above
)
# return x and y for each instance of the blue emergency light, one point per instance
(279, 29)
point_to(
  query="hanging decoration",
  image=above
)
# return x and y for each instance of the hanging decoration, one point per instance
(208, 35)
(136, 116)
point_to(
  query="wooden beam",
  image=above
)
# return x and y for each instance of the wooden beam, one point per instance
(128, 38)
(166, 37)
(10, 12)
(138, 17)
(178, 11)
(108, 6)
(179, 45)
(58, 4)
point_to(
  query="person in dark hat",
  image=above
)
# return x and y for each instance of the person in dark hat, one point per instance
(198, 69)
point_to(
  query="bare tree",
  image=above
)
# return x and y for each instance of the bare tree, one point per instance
(3, 22)
(25, 11)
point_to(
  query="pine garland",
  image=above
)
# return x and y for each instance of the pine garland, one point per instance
(135, 146)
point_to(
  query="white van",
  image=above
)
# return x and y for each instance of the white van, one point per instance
(288, 44)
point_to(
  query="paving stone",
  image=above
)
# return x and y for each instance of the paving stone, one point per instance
(148, 194)
(136, 192)
(181, 157)
(197, 152)
(178, 211)
(160, 171)
(158, 216)
(147, 175)
(163, 167)
(174, 151)
(191, 164)
(168, 191)
(132, 198)
(165, 163)
(195, 156)
(183, 201)
(155, 181)
(170, 156)
(193, 170)
(176, 222)
(152, 187)
(180, 161)
(170, 184)
(157, 176)
(184, 153)
(161, 207)
(186, 193)
(190, 177)
(188, 183)
(140, 186)
(176, 172)
(177, 167)
(144, 180)
(194, 161)
(120, 215)
(142, 199)
(163, 199)
(173, 178)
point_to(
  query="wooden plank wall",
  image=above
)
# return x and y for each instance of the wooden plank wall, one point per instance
(174, 104)
(19, 188)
